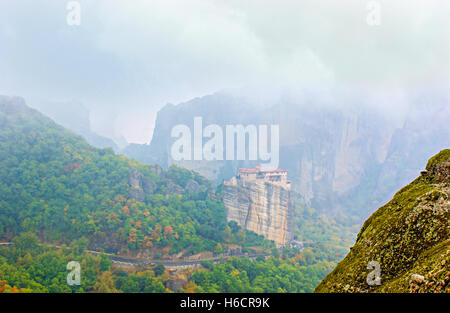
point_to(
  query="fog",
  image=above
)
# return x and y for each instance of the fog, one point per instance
(127, 59)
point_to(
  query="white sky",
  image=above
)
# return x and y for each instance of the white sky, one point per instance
(129, 58)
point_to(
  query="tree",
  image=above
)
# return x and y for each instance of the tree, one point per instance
(156, 233)
(104, 263)
(241, 236)
(105, 283)
(260, 258)
(275, 252)
(218, 249)
(80, 245)
(27, 242)
(159, 269)
(191, 287)
(168, 231)
(207, 264)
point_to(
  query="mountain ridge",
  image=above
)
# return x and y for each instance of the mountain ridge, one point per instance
(53, 183)
(347, 160)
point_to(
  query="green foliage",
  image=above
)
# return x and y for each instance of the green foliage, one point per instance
(44, 269)
(182, 176)
(272, 275)
(26, 242)
(141, 282)
(441, 157)
(105, 263)
(218, 249)
(328, 237)
(159, 269)
(54, 184)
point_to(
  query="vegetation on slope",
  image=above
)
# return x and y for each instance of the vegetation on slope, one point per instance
(289, 272)
(407, 236)
(28, 266)
(31, 267)
(54, 184)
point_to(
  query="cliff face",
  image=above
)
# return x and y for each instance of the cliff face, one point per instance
(345, 159)
(260, 206)
(409, 237)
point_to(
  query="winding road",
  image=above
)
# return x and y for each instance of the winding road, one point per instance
(167, 263)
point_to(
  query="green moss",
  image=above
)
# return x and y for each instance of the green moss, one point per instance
(434, 258)
(399, 236)
(443, 156)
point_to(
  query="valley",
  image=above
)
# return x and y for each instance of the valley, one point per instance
(58, 191)
(253, 152)
(144, 228)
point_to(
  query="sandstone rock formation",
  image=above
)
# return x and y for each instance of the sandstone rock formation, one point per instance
(260, 204)
(342, 158)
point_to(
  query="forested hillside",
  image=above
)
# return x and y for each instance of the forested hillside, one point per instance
(59, 196)
(28, 266)
(54, 184)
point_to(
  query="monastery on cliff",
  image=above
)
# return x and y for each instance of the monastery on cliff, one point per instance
(257, 199)
(261, 174)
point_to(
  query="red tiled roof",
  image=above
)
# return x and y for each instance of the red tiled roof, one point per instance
(258, 170)
(248, 170)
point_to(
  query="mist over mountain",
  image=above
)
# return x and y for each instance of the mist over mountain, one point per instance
(46, 168)
(224, 146)
(61, 198)
(126, 59)
(345, 151)
(75, 116)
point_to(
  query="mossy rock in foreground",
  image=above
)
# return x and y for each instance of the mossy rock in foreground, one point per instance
(408, 237)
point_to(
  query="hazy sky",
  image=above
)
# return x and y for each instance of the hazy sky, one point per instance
(129, 58)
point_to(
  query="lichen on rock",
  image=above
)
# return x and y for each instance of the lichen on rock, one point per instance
(407, 236)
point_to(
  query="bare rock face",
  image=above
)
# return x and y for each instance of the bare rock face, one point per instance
(139, 185)
(260, 206)
(192, 186)
(345, 158)
(174, 189)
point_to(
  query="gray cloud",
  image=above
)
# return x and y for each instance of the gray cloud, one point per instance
(128, 58)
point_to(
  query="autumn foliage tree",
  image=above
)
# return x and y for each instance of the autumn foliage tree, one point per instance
(168, 231)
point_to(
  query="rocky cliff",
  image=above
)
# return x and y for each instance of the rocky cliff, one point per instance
(260, 206)
(409, 237)
(347, 158)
